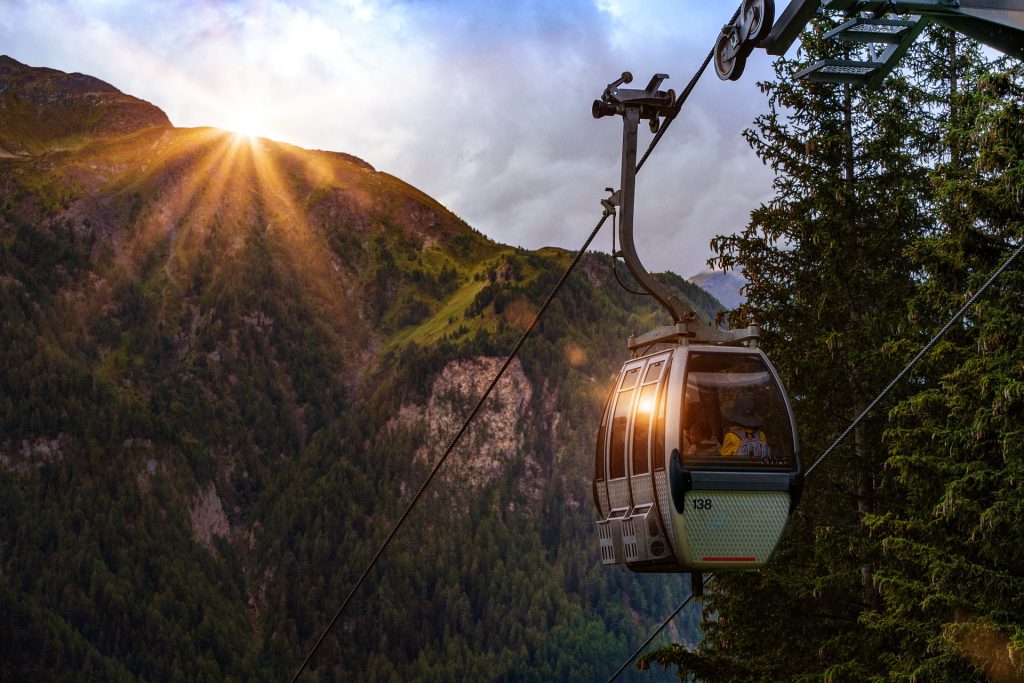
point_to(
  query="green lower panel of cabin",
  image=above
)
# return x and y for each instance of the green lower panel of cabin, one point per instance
(730, 529)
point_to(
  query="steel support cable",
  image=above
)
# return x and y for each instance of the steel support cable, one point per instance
(835, 444)
(916, 359)
(451, 445)
(615, 271)
(681, 99)
(658, 630)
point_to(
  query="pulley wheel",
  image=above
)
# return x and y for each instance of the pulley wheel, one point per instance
(757, 17)
(730, 59)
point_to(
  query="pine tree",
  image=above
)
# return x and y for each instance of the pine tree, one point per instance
(951, 581)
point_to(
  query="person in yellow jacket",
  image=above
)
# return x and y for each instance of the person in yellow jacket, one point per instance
(745, 438)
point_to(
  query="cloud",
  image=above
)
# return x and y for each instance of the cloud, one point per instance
(483, 105)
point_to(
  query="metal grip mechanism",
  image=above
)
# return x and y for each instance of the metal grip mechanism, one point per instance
(633, 106)
(650, 103)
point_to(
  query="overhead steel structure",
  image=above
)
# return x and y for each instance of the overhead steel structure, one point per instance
(888, 27)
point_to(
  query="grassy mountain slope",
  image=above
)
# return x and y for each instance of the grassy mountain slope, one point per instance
(226, 365)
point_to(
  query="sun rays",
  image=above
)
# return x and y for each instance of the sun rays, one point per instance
(285, 179)
(202, 192)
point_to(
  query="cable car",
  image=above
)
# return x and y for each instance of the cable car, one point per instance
(697, 464)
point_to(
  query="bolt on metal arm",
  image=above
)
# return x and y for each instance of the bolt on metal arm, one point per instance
(635, 105)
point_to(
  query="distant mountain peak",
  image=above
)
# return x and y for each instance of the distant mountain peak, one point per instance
(724, 285)
(43, 109)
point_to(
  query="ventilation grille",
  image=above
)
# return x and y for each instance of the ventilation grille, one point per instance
(643, 490)
(609, 535)
(643, 536)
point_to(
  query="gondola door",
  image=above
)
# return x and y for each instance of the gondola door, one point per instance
(610, 480)
(623, 488)
(645, 538)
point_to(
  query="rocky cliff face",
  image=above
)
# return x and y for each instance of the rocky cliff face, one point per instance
(496, 437)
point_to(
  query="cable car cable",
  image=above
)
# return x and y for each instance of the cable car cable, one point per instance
(920, 354)
(451, 445)
(681, 99)
(668, 619)
(615, 271)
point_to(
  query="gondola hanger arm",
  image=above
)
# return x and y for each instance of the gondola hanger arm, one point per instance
(633, 105)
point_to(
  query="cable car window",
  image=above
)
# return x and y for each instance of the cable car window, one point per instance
(629, 381)
(734, 414)
(617, 456)
(642, 428)
(653, 372)
(658, 438)
(599, 459)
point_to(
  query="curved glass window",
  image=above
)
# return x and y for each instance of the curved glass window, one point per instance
(734, 414)
(620, 420)
(642, 428)
(644, 416)
(658, 437)
(599, 455)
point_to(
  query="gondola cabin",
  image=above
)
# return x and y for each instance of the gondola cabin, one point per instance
(697, 464)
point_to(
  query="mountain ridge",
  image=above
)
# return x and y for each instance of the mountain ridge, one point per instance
(725, 286)
(45, 109)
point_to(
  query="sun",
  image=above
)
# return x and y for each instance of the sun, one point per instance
(245, 121)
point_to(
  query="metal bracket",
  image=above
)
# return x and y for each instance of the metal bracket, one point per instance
(650, 103)
(694, 332)
(610, 202)
(789, 26)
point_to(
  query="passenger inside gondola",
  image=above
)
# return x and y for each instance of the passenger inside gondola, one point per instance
(744, 437)
(700, 437)
(734, 414)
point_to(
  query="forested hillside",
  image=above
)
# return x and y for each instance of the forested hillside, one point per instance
(226, 365)
(891, 207)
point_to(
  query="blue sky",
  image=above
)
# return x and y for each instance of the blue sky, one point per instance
(484, 105)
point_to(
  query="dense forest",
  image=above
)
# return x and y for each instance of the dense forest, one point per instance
(226, 365)
(891, 207)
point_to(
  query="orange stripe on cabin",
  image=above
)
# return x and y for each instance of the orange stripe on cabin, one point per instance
(728, 559)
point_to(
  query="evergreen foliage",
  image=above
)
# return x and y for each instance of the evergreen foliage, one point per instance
(157, 354)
